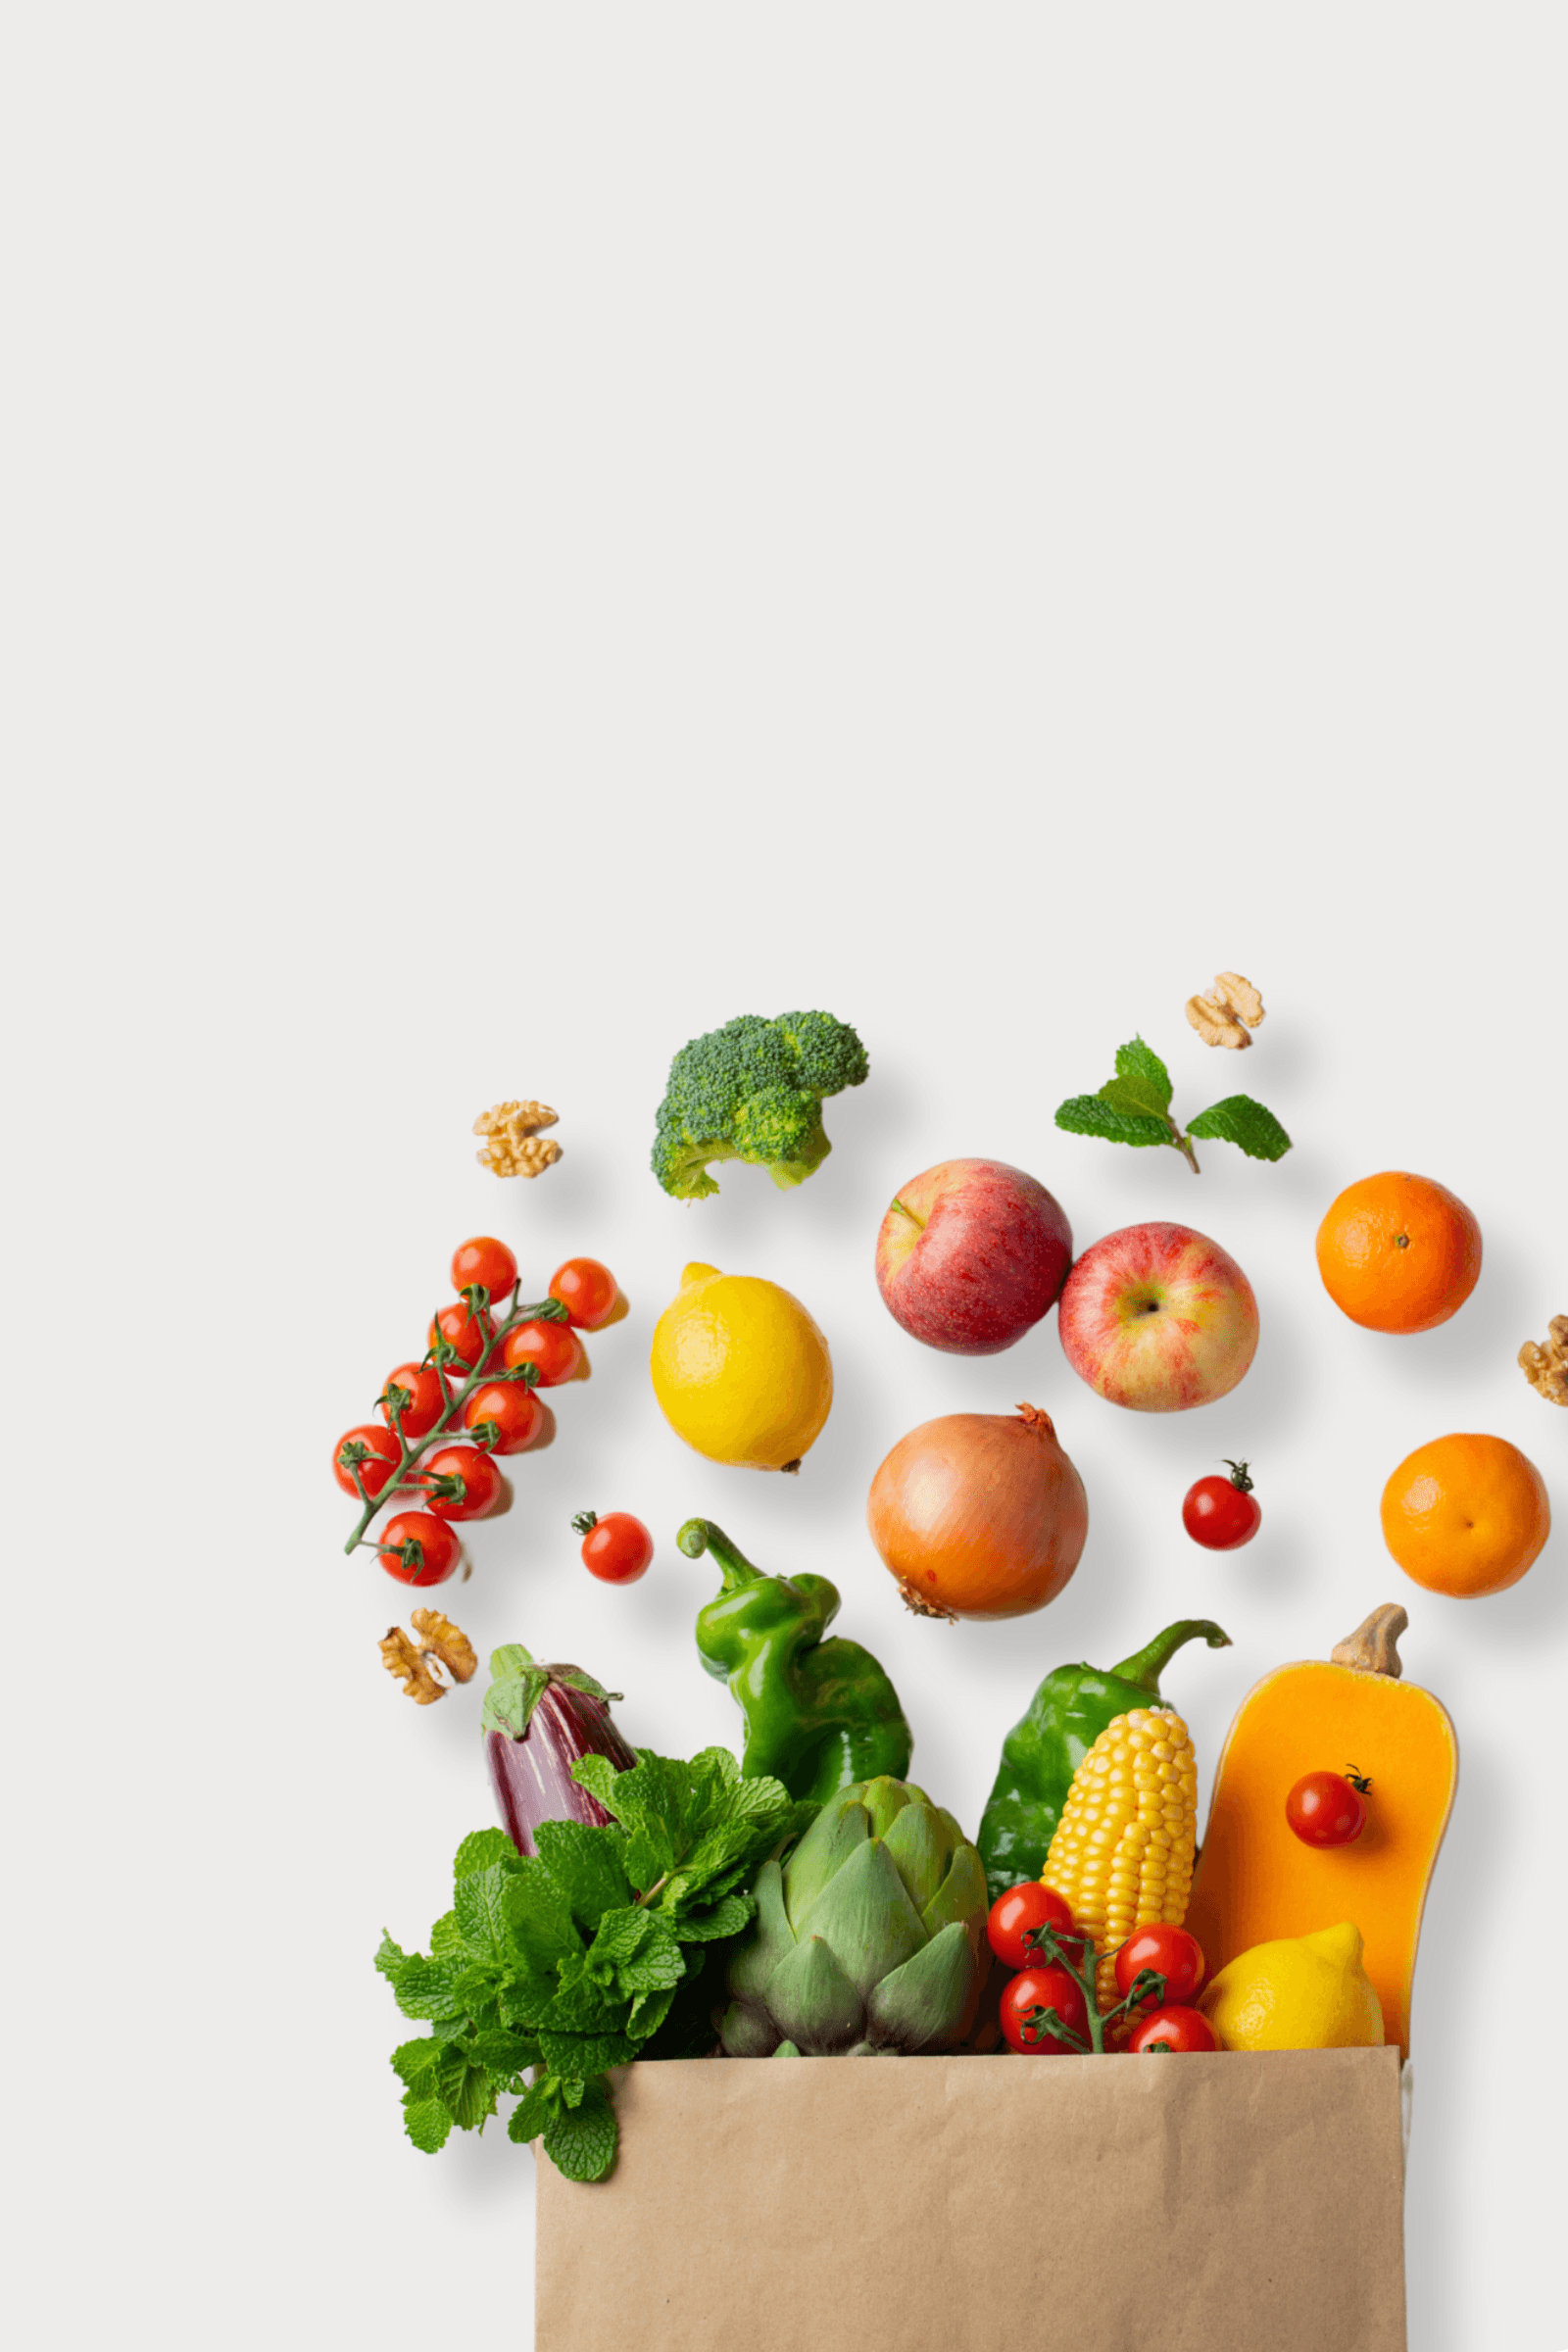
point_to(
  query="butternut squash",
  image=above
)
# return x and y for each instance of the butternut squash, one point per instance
(1256, 1880)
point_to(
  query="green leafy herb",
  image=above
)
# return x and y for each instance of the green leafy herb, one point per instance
(1134, 1107)
(569, 1962)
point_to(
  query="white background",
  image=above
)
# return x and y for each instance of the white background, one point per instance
(529, 532)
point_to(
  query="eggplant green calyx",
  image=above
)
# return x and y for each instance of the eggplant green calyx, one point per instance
(518, 1685)
(819, 1714)
(1045, 1746)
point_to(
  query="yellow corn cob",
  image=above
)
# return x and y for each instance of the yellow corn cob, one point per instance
(1122, 1855)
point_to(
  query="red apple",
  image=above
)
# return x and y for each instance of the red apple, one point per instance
(1158, 1318)
(971, 1255)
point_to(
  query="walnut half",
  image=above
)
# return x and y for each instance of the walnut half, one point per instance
(513, 1148)
(1546, 1368)
(1231, 1008)
(438, 1644)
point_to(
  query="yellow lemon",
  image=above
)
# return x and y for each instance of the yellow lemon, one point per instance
(741, 1370)
(1305, 1992)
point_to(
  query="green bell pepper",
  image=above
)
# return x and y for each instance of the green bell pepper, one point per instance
(1042, 1752)
(819, 1715)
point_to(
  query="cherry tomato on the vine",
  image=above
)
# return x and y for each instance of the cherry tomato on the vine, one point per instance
(485, 1261)
(1173, 2029)
(428, 1405)
(586, 1289)
(1177, 1956)
(553, 1347)
(517, 1412)
(379, 1462)
(617, 1548)
(478, 1482)
(438, 1549)
(1014, 1915)
(464, 1332)
(1042, 1988)
(1222, 1513)
(1328, 1808)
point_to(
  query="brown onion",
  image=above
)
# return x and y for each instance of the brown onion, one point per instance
(979, 1514)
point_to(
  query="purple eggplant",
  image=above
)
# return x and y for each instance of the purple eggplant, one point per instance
(537, 1720)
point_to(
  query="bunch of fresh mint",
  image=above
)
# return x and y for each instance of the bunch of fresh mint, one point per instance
(572, 1961)
(1134, 1107)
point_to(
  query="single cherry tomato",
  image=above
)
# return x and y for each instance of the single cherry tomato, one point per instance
(1016, 1915)
(1042, 1988)
(377, 1463)
(1173, 2029)
(464, 1332)
(1177, 1956)
(515, 1411)
(474, 1476)
(423, 1387)
(1328, 1808)
(554, 1348)
(1222, 1513)
(483, 1260)
(417, 1549)
(586, 1289)
(617, 1548)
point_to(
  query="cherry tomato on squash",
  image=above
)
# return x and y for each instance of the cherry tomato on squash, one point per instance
(478, 1482)
(1042, 1988)
(554, 1348)
(1222, 1513)
(1174, 2029)
(1328, 1808)
(417, 1549)
(381, 1451)
(424, 1388)
(1177, 1956)
(586, 1289)
(617, 1548)
(483, 1260)
(517, 1412)
(1015, 1915)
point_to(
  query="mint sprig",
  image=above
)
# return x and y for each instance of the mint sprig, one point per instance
(1134, 1107)
(573, 1960)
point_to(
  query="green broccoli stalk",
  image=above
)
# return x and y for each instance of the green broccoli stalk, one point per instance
(753, 1089)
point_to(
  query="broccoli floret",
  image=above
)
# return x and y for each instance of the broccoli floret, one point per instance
(754, 1091)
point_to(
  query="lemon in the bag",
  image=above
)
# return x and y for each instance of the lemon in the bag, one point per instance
(740, 1369)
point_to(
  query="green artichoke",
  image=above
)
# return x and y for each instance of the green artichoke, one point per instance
(870, 1938)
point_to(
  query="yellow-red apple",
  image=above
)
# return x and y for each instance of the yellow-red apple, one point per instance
(1158, 1318)
(971, 1255)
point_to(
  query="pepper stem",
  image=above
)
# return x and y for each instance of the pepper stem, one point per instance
(1146, 1666)
(701, 1535)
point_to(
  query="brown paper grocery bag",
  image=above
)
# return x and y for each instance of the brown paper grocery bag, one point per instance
(1225, 2203)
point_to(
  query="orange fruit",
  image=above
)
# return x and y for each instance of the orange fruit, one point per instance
(1466, 1515)
(1399, 1253)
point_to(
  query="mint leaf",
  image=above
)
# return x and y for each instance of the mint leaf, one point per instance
(588, 1863)
(583, 2005)
(481, 1912)
(466, 2089)
(1134, 1096)
(503, 2054)
(426, 2123)
(1136, 1060)
(446, 1938)
(536, 2108)
(1241, 1122)
(424, 1988)
(482, 1849)
(727, 1918)
(582, 2142)
(581, 2054)
(539, 1916)
(1088, 1115)
(648, 2011)
(413, 2063)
